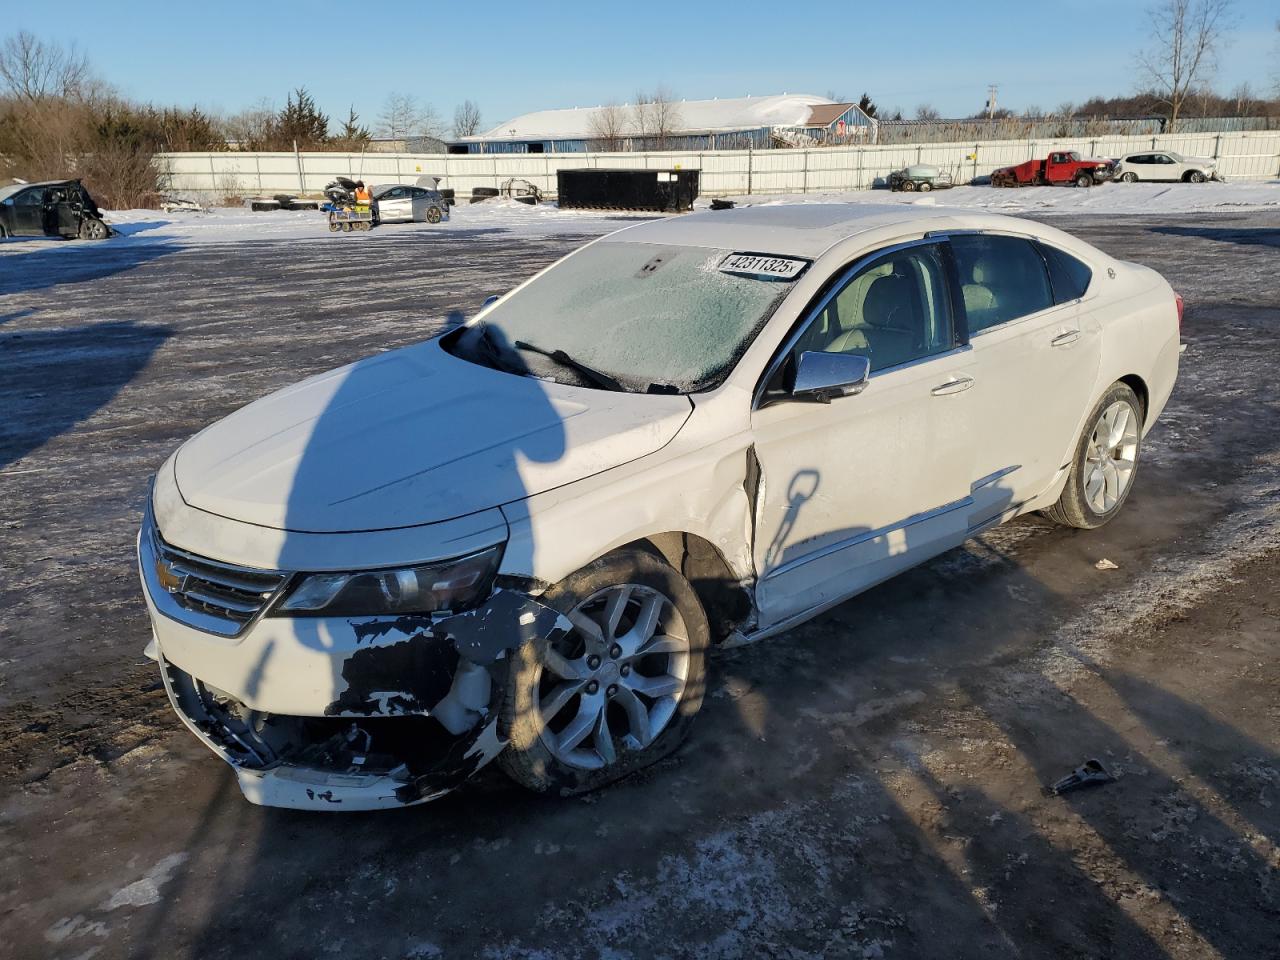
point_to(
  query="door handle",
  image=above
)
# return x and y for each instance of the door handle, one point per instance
(954, 385)
(1062, 339)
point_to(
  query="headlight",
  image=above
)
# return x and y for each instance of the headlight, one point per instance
(448, 585)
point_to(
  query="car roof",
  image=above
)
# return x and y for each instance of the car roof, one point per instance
(13, 188)
(807, 229)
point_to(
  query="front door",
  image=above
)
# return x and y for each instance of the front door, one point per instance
(855, 490)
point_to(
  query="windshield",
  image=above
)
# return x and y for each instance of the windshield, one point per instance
(650, 317)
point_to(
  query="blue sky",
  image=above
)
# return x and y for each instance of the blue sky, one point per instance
(515, 57)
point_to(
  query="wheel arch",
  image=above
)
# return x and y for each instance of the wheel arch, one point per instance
(725, 598)
(1138, 386)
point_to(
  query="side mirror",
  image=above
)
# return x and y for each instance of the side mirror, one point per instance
(822, 377)
(488, 300)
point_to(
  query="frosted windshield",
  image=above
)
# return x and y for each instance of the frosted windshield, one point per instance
(646, 314)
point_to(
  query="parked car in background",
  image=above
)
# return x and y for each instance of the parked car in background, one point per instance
(1166, 165)
(518, 540)
(1060, 168)
(922, 177)
(402, 203)
(53, 208)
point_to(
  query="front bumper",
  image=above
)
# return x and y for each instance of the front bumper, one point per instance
(347, 713)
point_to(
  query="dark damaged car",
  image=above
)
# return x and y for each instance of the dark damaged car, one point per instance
(518, 540)
(54, 208)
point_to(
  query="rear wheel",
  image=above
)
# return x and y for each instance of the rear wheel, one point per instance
(617, 693)
(433, 215)
(908, 185)
(1105, 461)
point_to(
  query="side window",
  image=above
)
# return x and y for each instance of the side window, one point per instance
(30, 198)
(892, 311)
(1001, 279)
(1068, 276)
(395, 193)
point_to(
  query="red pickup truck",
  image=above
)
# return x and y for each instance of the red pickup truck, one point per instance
(1060, 168)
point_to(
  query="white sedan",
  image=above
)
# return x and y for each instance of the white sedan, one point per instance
(402, 203)
(1167, 166)
(518, 540)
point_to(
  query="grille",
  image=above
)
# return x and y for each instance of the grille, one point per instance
(207, 594)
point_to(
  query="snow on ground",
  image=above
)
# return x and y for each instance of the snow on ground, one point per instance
(505, 218)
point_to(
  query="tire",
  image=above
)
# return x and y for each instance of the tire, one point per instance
(1082, 505)
(334, 226)
(925, 186)
(1195, 176)
(91, 228)
(1084, 180)
(1129, 177)
(909, 186)
(433, 215)
(534, 758)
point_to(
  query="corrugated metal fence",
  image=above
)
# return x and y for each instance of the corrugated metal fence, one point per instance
(1241, 155)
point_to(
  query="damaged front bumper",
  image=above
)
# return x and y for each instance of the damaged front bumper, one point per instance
(348, 713)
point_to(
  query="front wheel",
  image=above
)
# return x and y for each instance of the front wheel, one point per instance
(620, 691)
(1105, 461)
(1084, 180)
(91, 228)
(433, 215)
(925, 186)
(1129, 177)
(1195, 176)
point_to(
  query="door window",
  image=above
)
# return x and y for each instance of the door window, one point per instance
(30, 198)
(1068, 276)
(894, 310)
(1001, 279)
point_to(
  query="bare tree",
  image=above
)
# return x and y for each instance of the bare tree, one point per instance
(466, 119)
(1185, 38)
(608, 127)
(655, 117)
(33, 70)
(926, 112)
(1066, 109)
(403, 116)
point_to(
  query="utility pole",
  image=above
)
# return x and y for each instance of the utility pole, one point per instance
(991, 101)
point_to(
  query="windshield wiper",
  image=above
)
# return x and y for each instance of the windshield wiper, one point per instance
(497, 356)
(597, 377)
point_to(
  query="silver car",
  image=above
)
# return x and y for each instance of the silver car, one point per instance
(400, 203)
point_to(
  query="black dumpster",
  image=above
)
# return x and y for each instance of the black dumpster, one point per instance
(665, 191)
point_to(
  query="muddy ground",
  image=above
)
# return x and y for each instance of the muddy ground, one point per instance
(869, 785)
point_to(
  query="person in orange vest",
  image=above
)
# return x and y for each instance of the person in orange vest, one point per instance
(362, 193)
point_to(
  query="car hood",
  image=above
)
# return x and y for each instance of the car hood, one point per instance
(410, 437)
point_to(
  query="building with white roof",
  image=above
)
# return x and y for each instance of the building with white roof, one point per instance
(786, 119)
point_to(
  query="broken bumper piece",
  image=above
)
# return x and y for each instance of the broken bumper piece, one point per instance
(414, 715)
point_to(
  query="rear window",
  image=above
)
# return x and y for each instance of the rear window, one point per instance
(1069, 277)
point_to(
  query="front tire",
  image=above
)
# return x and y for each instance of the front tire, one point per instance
(618, 693)
(925, 186)
(433, 215)
(1084, 180)
(91, 228)
(1195, 176)
(1104, 464)
(1129, 177)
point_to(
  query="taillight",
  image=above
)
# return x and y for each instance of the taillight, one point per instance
(1181, 306)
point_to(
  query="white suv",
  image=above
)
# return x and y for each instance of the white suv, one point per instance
(1166, 165)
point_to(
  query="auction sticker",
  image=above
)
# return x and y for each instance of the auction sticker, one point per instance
(763, 265)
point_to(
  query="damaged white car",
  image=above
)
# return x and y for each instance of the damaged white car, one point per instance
(519, 540)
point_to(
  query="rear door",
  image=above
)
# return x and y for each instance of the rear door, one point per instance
(1036, 350)
(29, 213)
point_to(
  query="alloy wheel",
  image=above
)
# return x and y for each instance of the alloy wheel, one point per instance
(1110, 457)
(615, 681)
